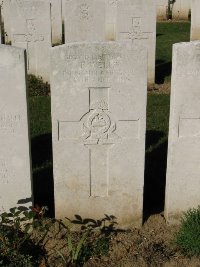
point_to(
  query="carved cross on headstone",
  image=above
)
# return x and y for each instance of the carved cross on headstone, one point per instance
(135, 32)
(30, 38)
(98, 131)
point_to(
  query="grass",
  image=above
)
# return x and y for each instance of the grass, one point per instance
(168, 33)
(156, 134)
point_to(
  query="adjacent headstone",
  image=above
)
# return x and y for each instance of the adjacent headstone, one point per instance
(0, 27)
(98, 123)
(183, 168)
(136, 23)
(15, 174)
(56, 21)
(31, 29)
(5, 6)
(195, 20)
(84, 20)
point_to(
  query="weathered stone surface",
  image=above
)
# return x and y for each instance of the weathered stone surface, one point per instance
(15, 174)
(84, 20)
(5, 5)
(113, 20)
(98, 121)
(136, 23)
(0, 27)
(183, 168)
(31, 29)
(56, 21)
(195, 20)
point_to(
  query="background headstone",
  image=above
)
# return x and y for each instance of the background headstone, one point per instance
(98, 126)
(113, 20)
(195, 20)
(183, 168)
(56, 21)
(5, 12)
(31, 29)
(0, 27)
(84, 20)
(15, 173)
(136, 23)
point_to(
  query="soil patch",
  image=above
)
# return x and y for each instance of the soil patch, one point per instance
(149, 246)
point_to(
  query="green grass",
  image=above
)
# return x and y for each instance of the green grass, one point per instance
(157, 119)
(168, 33)
(40, 115)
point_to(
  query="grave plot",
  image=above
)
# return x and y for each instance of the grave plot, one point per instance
(98, 121)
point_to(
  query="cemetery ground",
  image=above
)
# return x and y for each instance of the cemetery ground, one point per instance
(105, 244)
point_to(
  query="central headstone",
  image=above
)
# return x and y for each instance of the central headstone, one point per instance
(31, 29)
(15, 173)
(98, 120)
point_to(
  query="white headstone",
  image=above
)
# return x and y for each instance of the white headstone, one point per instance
(84, 20)
(15, 174)
(195, 20)
(98, 120)
(0, 27)
(183, 168)
(136, 23)
(113, 20)
(5, 4)
(31, 29)
(56, 21)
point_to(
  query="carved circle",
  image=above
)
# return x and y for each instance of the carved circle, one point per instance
(99, 122)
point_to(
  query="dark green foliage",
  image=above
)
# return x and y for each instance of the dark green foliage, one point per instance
(188, 237)
(36, 86)
(168, 33)
(16, 246)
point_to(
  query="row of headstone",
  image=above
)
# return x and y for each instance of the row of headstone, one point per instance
(85, 20)
(98, 130)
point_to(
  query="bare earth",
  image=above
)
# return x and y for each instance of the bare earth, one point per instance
(149, 246)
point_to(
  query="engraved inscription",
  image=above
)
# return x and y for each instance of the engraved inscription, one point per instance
(84, 10)
(102, 68)
(3, 172)
(9, 123)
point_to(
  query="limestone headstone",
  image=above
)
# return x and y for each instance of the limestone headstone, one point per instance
(98, 124)
(0, 27)
(5, 5)
(15, 174)
(113, 20)
(195, 20)
(183, 168)
(136, 23)
(84, 20)
(56, 21)
(31, 29)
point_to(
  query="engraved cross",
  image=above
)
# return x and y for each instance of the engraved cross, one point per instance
(135, 33)
(98, 130)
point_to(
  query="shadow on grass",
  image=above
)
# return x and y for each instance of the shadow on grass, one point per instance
(155, 175)
(163, 69)
(43, 186)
